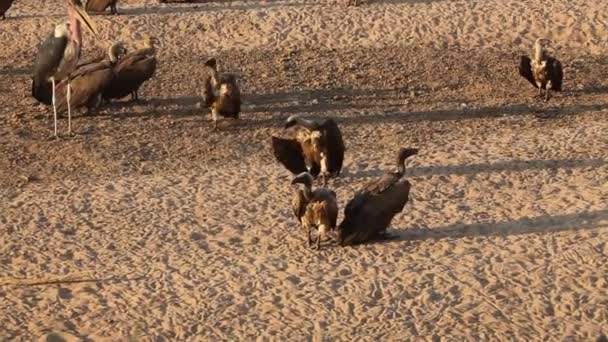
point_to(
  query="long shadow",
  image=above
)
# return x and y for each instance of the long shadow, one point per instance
(471, 169)
(15, 71)
(524, 225)
(199, 6)
(593, 90)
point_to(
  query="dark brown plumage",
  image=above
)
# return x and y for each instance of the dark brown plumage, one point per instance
(542, 71)
(98, 6)
(89, 81)
(370, 212)
(317, 148)
(315, 209)
(132, 71)
(221, 93)
(4, 6)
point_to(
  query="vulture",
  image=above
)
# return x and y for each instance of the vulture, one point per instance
(4, 6)
(132, 71)
(316, 209)
(221, 93)
(543, 71)
(370, 212)
(58, 57)
(98, 6)
(318, 148)
(90, 80)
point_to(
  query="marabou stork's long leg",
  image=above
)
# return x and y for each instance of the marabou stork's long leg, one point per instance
(69, 108)
(54, 106)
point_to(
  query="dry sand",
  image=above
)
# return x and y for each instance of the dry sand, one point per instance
(147, 225)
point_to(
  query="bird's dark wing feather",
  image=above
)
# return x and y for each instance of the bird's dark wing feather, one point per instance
(367, 215)
(556, 73)
(49, 56)
(289, 153)
(525, 70)
(335, 146)
(86, 86)
(97, 5)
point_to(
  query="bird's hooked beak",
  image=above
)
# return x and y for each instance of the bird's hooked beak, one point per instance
(83, 17)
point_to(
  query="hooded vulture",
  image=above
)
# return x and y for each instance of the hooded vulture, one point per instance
(316, 209)
(90, 80)
(132, 71)
(220, 93)
(4, 6)
(543, 71)
(370, 212)
(98, 6)
(318, 148)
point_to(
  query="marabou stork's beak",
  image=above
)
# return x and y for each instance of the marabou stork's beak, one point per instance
(84, 18)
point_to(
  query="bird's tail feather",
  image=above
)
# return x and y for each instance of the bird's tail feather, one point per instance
(42, 91)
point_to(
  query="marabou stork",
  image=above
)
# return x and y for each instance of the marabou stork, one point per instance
(58, 56)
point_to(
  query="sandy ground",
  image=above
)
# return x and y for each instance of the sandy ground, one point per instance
(147, 225)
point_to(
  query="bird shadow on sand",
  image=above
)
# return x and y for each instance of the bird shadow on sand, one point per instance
(203, 6)
(592, 90)
(472, 169)
(15, 72)
(520, 226)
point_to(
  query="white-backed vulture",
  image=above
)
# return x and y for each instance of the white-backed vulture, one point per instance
(315, 209)
(221, 93)
(542, 71)
(90, 80)
(318, 148)
(132, 71)
(4, 6)
(98, 6)
(370, 212)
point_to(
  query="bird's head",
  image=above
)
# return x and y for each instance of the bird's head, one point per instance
(116, 51)
(405, 153)
(77, 12)
(151, 41)
(303, 178)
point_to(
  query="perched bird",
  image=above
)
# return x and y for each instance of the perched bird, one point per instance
(4, 6)
(90, 80)
(542, 71)
(98, 6)
(316, 209)
(58, 56)
(370, 212)
(132, 71)
(222, 93)
(318, 147)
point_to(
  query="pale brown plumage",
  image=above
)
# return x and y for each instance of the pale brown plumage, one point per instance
(132, 71)
(221, 93)
(370, 212)
(90, 80)
(315, 209)
(98, 6)
(317, 148)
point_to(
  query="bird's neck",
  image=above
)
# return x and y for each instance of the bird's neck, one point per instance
(307, 191)
(539, 53)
